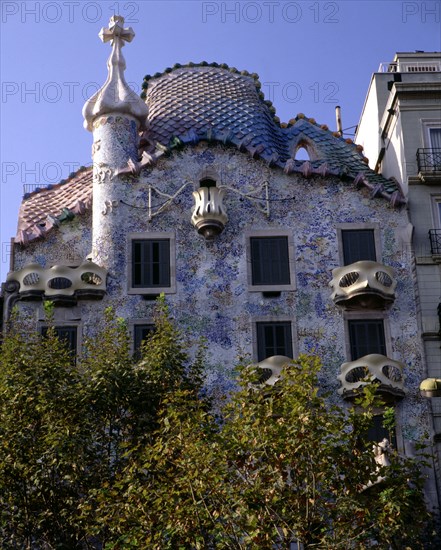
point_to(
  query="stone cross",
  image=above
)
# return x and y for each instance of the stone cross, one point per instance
(115, 96)
(116, 30)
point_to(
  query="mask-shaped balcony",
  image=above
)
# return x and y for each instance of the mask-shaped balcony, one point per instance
(363, 285)
(271, 368)
(372, 368)
(60, 284)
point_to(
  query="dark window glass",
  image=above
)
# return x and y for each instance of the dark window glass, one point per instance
(207, 182)
(273, 339)
(366, 337)
(151, 263)
(140, 333)
(377, 432)
(358, 244)
(269, 261)
(67, 334)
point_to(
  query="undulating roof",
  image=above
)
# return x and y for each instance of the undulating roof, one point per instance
(214, 103)
(46, 208)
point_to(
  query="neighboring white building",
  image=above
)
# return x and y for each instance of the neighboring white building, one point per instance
(196, 193)
(400, 130)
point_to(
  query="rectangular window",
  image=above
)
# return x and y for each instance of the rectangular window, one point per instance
(365, 337)
(377, 432)
(358, 244)
(140, 333)
(274, 339)
(435, 138)
(67, 334)
(151, 263)
(270, 261)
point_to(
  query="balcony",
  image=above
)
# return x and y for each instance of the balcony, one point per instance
(410, 67)
(363, 285)
(429, 165)
(60, 284)
(374, 368)
(435, 243)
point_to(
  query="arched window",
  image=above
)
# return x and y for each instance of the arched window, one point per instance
(302, 153)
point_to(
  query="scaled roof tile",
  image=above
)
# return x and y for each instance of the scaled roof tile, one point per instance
(188, 104)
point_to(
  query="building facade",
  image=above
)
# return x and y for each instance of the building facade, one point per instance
(400, 129)
(195, 192)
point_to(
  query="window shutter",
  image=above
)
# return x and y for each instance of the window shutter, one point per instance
(270, 261)
(151, 263)
(358, 244)
(274, 339)
(366, 337)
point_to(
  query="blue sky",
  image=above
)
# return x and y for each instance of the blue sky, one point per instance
(310, 56)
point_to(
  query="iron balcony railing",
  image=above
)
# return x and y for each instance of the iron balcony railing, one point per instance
(435, 241)
(429, 160)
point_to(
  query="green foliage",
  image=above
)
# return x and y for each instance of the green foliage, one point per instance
(109, 452)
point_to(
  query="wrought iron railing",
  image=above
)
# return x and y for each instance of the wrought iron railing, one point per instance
(429, 160)
(435, 241)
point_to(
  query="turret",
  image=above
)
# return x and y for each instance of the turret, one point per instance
(115, 115)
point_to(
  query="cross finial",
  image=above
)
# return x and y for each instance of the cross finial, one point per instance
(116, 30)
(115, 96)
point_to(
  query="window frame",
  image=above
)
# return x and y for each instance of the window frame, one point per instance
(153, 236)
(133, 324)
(270, 233)
(65, 324)
(367, 316)
(435, 202)
(375, 427)
(273, 320)
(428, 124)
(342, 227)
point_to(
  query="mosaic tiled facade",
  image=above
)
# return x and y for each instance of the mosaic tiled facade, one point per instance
(213, 297)
(209, 123)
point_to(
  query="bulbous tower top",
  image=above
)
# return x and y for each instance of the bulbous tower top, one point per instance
(115, 96)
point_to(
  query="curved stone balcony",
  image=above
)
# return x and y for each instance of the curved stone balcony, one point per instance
(363, 285)
(372, 368)
(60, 283)
(271, 368)
(209, 215)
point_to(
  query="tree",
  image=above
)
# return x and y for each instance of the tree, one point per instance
(281, 465)
(114, 452)
(41, 441)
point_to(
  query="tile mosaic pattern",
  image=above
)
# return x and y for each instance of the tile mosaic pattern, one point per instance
(213, 103)
(213, 299)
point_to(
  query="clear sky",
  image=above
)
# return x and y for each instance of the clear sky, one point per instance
(310, 56)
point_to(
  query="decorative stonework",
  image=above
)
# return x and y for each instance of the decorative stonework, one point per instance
(115, 96)
(87, 280)
(109, 207)
(102, 174)
(363, 284)
(209, 215)
(271, 368)
(374, 368)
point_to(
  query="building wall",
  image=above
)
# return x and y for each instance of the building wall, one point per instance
(213, 298)
(70, 244)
